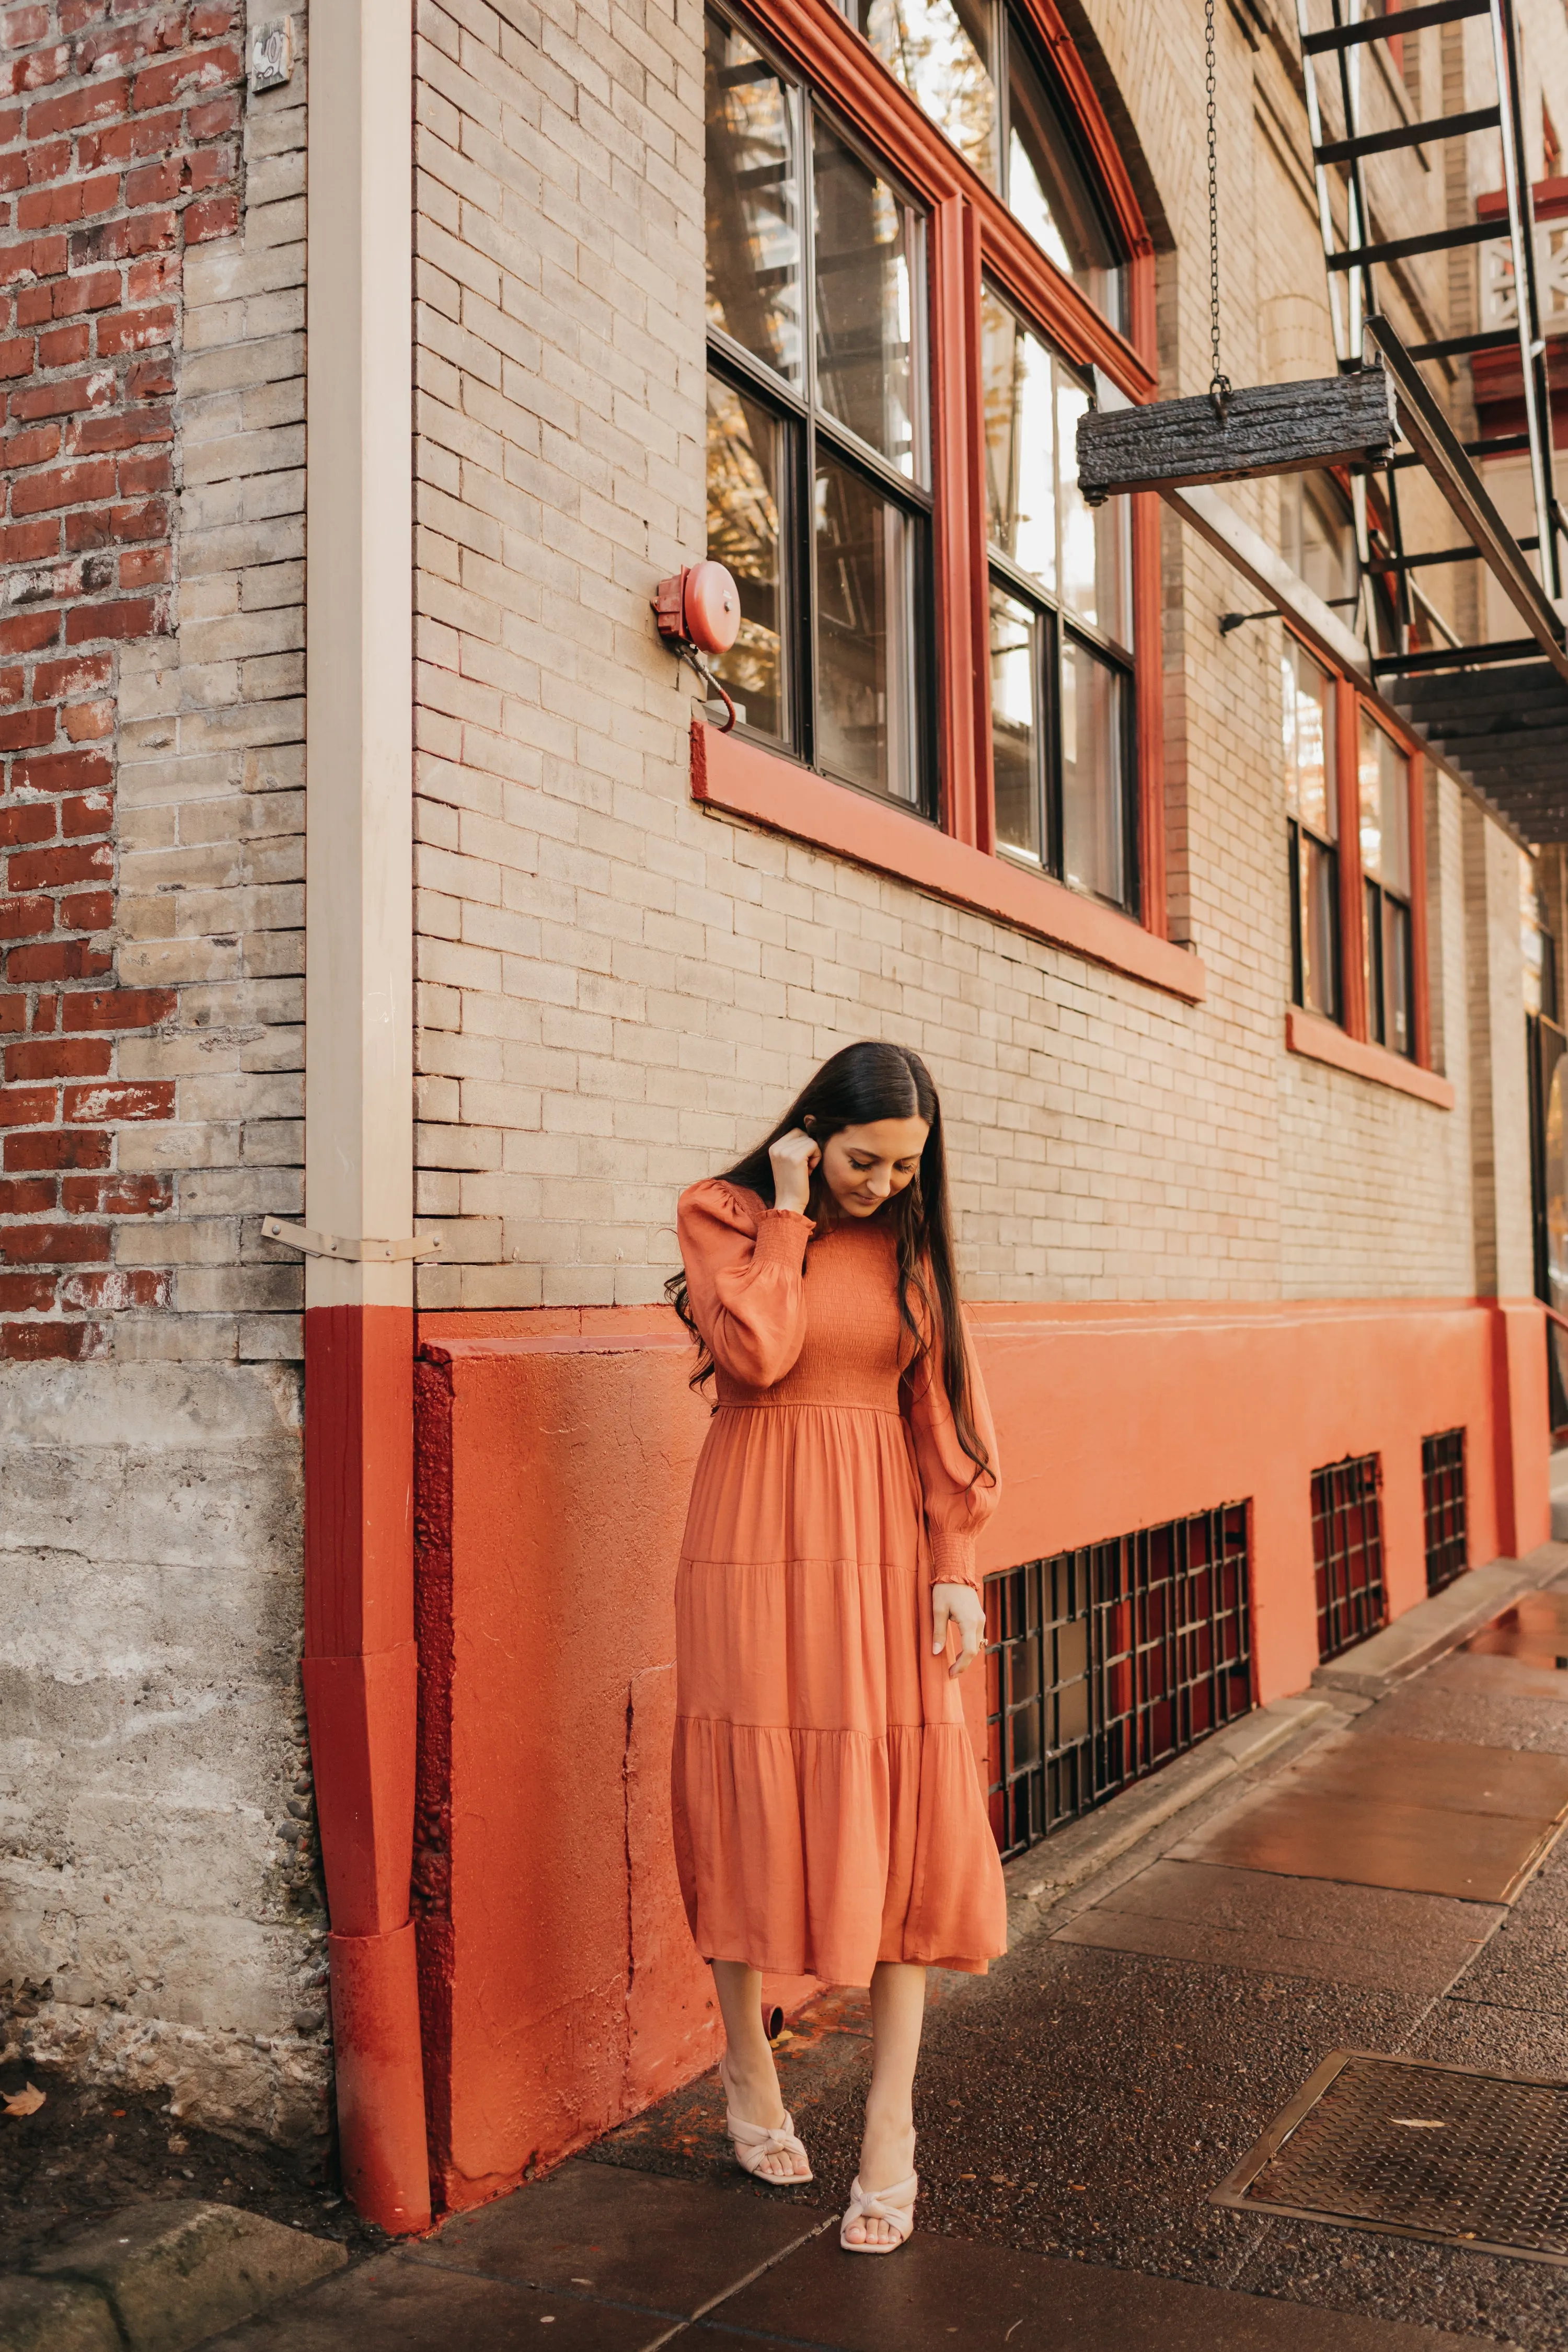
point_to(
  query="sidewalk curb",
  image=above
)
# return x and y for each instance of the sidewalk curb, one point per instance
(158, 2277)
(1433, 1627)
(1370, 1671)
(1103, 1836)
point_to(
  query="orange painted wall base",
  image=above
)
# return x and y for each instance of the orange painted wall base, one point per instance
(559, 1986)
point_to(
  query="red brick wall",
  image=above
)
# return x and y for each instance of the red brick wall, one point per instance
(119, 147)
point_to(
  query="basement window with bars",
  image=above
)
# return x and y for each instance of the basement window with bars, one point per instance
(1347, 1552)
(1443, 1508)
(1105, 1662)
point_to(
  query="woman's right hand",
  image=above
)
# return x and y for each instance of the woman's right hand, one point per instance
(794, 1157)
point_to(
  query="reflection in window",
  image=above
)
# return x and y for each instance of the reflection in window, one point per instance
(746, 461)
(1383, 781)
(1317, 536)
(1311, 794)
(941, 51)
(1016, 732)
(1060, 623)
(1094, 771)
(1032, 403)
(1050, 191)
(865, 309)
(1020, 441)
(753, 215)
(865, 631)
(816, 430)
(954, 58)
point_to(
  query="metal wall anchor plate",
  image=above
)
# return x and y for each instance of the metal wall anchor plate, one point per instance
(1418, 2149)
(339, 1245)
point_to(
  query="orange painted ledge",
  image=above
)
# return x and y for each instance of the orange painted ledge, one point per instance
(732, 774)
(1321, 1041)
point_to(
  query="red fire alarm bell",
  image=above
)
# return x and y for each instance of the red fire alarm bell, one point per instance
(700, 606)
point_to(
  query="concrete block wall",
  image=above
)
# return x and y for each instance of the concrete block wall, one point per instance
(160, 1901)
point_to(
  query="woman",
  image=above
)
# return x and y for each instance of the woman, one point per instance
(828, 1816)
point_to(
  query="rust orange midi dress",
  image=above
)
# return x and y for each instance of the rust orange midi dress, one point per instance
(829, 1812)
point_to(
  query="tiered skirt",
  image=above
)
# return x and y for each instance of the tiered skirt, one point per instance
(828, 1811)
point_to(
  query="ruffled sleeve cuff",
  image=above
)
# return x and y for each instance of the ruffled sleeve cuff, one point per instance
(782, 1237)
(953, 1556)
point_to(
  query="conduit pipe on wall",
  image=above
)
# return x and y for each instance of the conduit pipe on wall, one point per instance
(359, 1665)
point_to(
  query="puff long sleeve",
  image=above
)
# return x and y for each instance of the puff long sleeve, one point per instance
(957, 1502)
(745, 1279)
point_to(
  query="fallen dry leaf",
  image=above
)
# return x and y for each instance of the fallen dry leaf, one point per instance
(25, 2103)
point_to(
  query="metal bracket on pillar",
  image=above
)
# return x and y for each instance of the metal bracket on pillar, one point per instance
(344, 1246)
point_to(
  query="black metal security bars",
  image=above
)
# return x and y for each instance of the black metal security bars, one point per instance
(1347, 1552)
(1443, 1508)
(1105, 1663)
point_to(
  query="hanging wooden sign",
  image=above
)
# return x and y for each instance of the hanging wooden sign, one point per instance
(1267, 429)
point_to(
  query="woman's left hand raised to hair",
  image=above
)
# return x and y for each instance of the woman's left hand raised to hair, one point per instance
(961, 1606)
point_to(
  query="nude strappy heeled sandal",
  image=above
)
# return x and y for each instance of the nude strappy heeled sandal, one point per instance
(754, 2143)
(895, 2206)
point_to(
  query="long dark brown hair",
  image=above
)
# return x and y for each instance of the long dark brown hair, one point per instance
(859, 1085)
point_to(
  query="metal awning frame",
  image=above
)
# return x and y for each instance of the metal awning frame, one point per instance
(1435, 442)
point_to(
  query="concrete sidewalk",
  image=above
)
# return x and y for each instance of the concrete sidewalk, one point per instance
(1384, 1877)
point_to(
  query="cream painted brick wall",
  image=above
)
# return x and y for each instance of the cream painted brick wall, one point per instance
(618, 990)
(211, 790)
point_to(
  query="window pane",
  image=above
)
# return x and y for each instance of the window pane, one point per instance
(865, 635)
(1319, 920)
(747, 463)
(1096, 559)
(941, 51)
(1310, 767)
(1398, 1026)
(1016, 725)
(1317, 535)
(866, 294)
(1382, 778)
(1094, 767)
(1049, 193)
(754, 218)
(1377, 1001)
(1020, 455)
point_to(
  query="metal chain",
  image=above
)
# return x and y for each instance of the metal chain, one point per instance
(1219, 382)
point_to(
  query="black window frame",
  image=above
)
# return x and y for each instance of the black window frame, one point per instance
(809, 426)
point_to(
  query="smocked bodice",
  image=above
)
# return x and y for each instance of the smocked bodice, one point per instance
(854, 1345)
(807, 1324)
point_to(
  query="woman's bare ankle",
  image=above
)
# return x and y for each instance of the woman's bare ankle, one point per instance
(754, 2086)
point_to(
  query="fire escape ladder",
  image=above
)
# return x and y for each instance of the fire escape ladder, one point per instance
(1511, 746)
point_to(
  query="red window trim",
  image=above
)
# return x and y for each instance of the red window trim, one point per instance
(1317, 1040)
(971, 232)
(1348, 1043)
(731, 774)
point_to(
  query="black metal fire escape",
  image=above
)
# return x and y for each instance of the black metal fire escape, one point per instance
(1498, 710)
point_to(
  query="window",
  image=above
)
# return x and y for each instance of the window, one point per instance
(1316, 537)
(1103, 1665)
(1383, 777)
(973, 68)
(817, 475)
(1347, 1552)
(1443, 1508)
(1311, 794)
(1061, 678)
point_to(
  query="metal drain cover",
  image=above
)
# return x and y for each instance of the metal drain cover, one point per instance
(1419, 2149)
